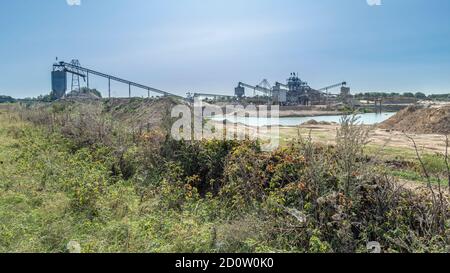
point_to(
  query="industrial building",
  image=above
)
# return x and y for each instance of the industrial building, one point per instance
(296, 92)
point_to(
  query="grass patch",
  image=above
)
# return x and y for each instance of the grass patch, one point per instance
(412, 176)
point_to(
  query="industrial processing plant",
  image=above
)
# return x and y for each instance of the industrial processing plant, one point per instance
(294, 92)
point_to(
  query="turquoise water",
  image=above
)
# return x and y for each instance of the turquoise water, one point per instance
(367, 119)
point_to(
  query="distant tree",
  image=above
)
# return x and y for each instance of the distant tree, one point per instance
(47, 98)
(440, 97)
(420, 96)
(408, 95)
(4, 99)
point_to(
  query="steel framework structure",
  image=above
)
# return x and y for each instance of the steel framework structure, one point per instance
(77, 70)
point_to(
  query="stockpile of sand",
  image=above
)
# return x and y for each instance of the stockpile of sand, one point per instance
(420, 120)
(315, 122)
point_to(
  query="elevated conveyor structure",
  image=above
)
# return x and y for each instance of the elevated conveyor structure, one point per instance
(61, 68)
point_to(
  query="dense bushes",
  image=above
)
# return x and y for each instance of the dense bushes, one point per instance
(125, 191)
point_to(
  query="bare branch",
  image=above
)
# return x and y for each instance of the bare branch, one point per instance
(447, 161)
(422, 164)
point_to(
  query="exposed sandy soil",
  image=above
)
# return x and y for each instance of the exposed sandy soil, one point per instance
(432, 143)
(420, 120)
(427, 142)
(393, 142)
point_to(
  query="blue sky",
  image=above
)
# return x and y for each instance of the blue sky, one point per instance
(210, 45)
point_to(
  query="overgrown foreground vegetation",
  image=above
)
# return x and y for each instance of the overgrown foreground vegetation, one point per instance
(71, 174)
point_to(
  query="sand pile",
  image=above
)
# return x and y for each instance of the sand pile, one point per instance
(311, 122)
(315, 122)
(420, 120)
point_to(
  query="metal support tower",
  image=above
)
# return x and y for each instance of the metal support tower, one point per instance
(109, 87)
(76, 85)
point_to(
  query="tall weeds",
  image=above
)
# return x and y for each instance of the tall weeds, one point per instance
(132, 185)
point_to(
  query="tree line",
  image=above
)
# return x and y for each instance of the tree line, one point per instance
(418, 95)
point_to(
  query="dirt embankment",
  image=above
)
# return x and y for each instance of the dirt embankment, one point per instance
(138, 112)
(134, 113)
(420, 120)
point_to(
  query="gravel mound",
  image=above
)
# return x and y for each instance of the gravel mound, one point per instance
(419, 120)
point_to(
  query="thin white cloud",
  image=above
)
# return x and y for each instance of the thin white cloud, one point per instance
(73, 2)
(374, 2)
